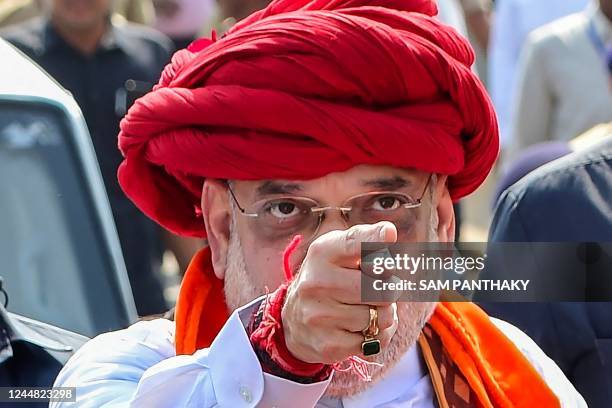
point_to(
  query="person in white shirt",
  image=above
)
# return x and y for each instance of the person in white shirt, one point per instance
(563, 80)
(478, 19)
(284, 145)
(512, 22)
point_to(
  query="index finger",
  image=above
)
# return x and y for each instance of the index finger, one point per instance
(343, 248)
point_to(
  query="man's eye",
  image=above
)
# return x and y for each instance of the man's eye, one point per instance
(386, 203)
(283, 209)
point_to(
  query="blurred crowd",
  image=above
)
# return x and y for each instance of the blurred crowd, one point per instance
(547, 65)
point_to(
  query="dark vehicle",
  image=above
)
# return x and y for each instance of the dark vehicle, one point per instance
(60, 258)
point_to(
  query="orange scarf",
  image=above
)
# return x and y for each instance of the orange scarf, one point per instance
(495, 369)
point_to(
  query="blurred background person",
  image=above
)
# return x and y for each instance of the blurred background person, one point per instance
(537, 155)
(18, 11)
(563, 80)
(460, 14)
(231, 11)
(527, 161)
(576, 335)
(105, 64)
(513, 20)
(451, 13)
(183, 20)
(135, 11)
(478, 20)
(477, 14)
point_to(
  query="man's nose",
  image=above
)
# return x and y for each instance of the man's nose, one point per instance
(332, 220)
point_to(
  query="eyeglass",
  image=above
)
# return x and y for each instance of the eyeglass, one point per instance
(284, 216)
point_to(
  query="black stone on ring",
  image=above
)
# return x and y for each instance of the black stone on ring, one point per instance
(370, 347)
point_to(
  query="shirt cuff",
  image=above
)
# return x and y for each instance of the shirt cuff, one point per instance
(237, 376)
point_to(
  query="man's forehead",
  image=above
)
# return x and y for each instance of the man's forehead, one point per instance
(365, 178)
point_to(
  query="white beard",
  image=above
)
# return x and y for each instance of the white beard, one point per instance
(240, 290)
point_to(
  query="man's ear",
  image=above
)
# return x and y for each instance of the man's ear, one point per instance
(216, 212)
(446, 213)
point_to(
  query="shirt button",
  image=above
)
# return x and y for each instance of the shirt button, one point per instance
(246, 395)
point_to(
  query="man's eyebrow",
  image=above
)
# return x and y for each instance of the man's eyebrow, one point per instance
(275, 187)
(387, 183)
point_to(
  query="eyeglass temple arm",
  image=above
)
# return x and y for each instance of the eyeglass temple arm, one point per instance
(425, 189)
(242, 210)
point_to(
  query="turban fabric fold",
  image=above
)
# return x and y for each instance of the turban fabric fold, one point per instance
(302, 89)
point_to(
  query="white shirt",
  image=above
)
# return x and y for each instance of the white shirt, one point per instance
(137, 367)
(563, 82)
(513, 21)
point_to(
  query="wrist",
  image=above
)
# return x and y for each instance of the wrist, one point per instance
(268, 339)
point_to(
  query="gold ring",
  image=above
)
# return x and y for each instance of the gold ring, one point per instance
(371, 345)
(372, 329)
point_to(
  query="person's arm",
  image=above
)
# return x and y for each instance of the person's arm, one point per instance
(137, 367)
(479, 24)
(478, 19)
(532, 105)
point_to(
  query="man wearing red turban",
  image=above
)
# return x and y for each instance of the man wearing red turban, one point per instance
(310, 127)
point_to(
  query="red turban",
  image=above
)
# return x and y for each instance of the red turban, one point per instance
(302, 89)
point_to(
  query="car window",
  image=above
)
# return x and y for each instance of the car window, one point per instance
(53, 257)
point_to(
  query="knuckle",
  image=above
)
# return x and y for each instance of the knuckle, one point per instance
(327, 284)
(317, 247)
(320, 281)
(310, 288)
(330, 350)
(305, 286)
